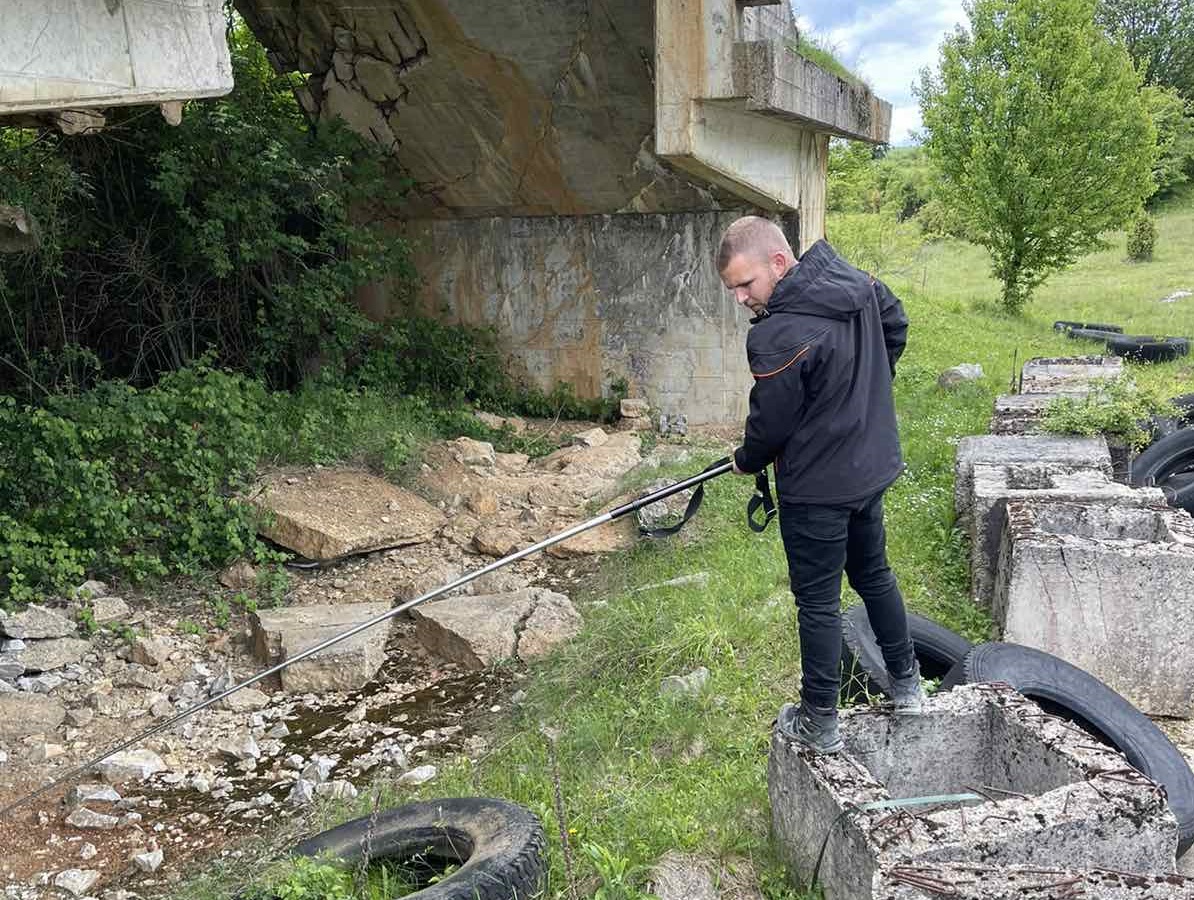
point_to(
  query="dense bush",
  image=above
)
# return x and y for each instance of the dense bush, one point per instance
(244, 229)
(1142, 237)
(1118, 407)
(127, 482)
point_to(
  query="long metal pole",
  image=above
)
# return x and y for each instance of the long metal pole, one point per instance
(634, 505)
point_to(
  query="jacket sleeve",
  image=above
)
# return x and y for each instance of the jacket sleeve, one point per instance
(777, 395)
(895, 323)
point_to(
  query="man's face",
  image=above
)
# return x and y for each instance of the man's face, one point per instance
(751, 278)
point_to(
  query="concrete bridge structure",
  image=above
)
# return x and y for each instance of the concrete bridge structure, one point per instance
(574, 162)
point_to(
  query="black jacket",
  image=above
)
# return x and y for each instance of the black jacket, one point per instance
(823, 356)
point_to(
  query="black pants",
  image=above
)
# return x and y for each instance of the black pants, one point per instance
(821, 542)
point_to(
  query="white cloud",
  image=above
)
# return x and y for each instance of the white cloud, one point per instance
(888, 44)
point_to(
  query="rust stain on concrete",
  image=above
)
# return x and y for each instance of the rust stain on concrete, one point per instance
(528, 137)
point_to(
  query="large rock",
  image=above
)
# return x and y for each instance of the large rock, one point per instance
(612, 537)
(280, 634)
(130, 765)
(594, 467)
(54, 653)
(36, 622)
(480, 630)
(329, 513)
(23, 714)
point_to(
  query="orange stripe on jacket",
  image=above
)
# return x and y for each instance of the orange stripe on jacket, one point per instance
(784, 366)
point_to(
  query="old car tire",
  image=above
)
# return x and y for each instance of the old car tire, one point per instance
(1185, 406)
(1077, 696)
(1063, 325)
(1148, 349)
(1179, 491)
(937, 648)
(1168, 456)
(499, 846)
(1091, 334)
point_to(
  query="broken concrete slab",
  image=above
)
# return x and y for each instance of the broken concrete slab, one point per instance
(52, 653)
(35, 622)
(483, 629)
(994, 485)
(1052, 802)
(1068, 374)
(23, 714)
(612, 537)
(331, 513)
(1065, 454)
(1106, 588)
(963, 881)
(281, 634)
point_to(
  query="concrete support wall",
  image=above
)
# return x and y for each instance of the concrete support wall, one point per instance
(586, 299)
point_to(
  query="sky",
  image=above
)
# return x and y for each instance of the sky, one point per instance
(887, 42)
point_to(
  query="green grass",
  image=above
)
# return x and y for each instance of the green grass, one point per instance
(638, 775)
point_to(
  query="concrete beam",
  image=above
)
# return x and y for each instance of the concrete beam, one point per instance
(775, 80)
(64, 54)
(739, 109)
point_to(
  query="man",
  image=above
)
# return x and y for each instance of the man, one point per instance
(823, 349)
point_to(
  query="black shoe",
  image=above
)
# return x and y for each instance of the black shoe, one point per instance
(814, 729)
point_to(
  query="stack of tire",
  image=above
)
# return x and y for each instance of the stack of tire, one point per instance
(1058, 687)
(1168, 462)
(1138, 347)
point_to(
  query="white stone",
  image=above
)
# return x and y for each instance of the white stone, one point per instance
(692, 683)
(594, 437)
(148, 860)
(421, 775)
(76, 881)
(89, 818)
(130, 765)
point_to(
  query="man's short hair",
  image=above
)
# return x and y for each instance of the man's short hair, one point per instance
(751, 234)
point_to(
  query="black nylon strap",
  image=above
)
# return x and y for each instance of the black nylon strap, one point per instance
(694, 503)
(761, 500)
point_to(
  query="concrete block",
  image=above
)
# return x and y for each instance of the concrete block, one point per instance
(994, 485)
(280, 634)
(1065, 454)
(1020, 413)
(976, 882)
(1052, 800)
(1107, 588)
(1068, 374)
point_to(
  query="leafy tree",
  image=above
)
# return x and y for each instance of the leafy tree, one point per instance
(853, 184)
(1174, 119)
(1036, 123)
(245, 229)
(1159, 36)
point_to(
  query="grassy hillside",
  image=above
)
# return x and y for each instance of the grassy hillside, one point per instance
(637, 774)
